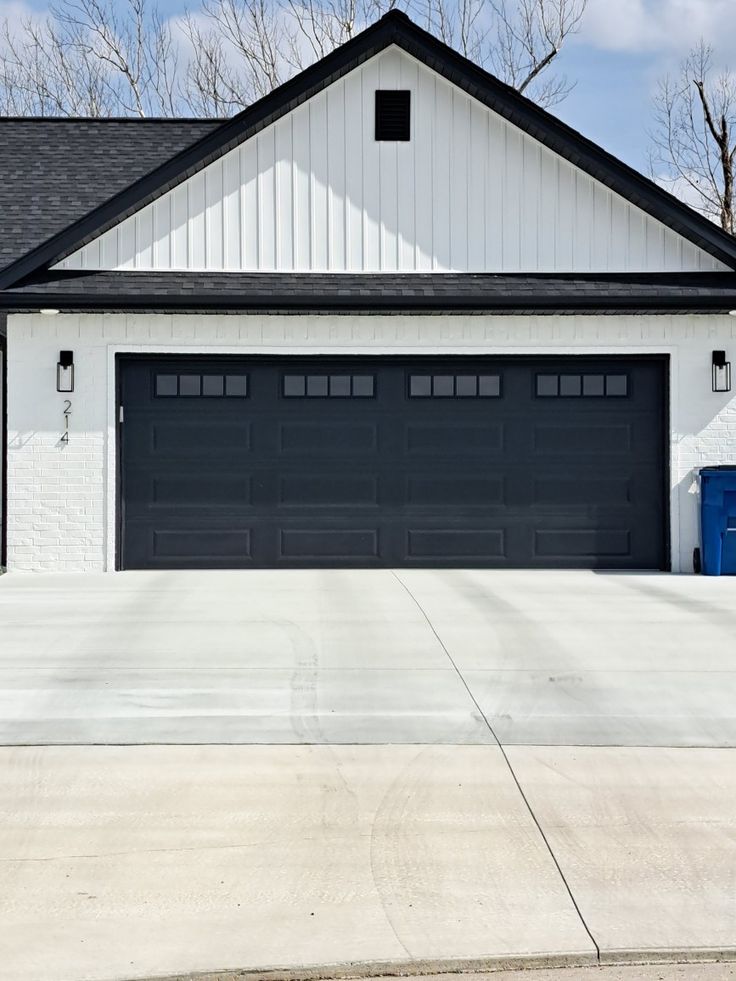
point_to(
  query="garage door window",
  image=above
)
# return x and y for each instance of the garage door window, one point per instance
(191, 385)
(455, 386)
(582, 386)
(329, 386)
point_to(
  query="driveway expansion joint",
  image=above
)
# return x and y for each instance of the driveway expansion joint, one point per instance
(497, 741)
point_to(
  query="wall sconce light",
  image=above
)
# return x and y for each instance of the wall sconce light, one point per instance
(721, 372)
(65, 372)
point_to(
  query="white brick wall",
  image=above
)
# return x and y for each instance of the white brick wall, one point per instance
(61, 499)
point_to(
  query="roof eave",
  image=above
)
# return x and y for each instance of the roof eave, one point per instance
(389, 304)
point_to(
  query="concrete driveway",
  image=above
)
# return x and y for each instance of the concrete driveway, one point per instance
(483, 769)
(542, 658)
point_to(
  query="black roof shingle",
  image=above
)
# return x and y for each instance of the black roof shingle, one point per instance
(384, 292)
(55, 171)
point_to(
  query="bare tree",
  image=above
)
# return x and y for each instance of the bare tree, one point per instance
(43, 74)
(90, 57)
(320, 26)
(120, 57)
(518, 41)
(210, 85)
(694, 140)
(133, 43)
(256, 32)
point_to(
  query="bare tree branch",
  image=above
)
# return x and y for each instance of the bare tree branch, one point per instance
(518, 40)
(120, 57)
(210, 86)
(694, 136)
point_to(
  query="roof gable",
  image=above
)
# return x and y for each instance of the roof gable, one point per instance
(394, 28)
(315, 192)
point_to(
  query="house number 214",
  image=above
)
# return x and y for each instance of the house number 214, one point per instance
(67, 412)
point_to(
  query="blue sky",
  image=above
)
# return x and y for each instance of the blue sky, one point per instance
(623, 48)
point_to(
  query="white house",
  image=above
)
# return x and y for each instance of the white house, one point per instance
(393, 314)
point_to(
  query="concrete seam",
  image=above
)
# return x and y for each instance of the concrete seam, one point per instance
(507, 761)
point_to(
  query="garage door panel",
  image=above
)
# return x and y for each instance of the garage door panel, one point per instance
(329, 489)
(325, 543)
(187, 490)
(566, 438)
(349, 438)
(446, 478)
(183, 438)
(198, 543)
(582, 543)
(188, 544)
(582, 491)
(433, 439)
(429, 490)
(440, 544)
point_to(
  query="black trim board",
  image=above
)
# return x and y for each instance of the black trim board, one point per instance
(393, 28)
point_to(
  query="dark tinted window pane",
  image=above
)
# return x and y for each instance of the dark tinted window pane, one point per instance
(363, 386)
(167, 384)
(189, 384)
(340, 385)
(570, 384)
(316, 385)
(420, 385)
(489, 386)
(294, 386)
(617, 385)
(466, 386)
(213, 385)
(236, 385)
(547, 385)
(592, 384)
(443, 385)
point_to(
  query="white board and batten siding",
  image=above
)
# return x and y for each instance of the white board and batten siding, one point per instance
(314, 192)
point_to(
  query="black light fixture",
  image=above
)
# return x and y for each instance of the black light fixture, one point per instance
(65, 372)
(721, 372)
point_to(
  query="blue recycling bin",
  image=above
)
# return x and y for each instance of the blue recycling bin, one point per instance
(718, 520)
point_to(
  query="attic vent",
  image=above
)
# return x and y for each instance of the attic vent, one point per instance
(392, 114)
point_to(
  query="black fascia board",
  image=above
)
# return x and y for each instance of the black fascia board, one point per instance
(393, 28)
(199, 302)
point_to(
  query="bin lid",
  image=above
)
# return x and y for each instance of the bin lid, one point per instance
(721, 468)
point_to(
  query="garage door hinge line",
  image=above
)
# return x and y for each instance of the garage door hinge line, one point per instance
(507, 760)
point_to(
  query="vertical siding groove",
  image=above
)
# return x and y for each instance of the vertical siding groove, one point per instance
(345, 210)
(243, 226)
(315, 192)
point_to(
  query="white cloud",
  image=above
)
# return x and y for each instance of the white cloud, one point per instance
(670, 26)
(16, 12)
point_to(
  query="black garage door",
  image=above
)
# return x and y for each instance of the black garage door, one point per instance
(258, 462)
